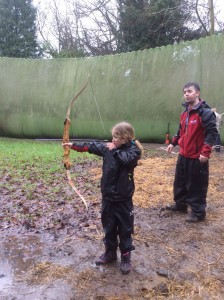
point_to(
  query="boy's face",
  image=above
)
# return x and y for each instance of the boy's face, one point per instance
(118, 141)
(191, 95)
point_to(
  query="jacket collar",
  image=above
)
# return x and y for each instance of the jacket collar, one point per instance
(201, 103)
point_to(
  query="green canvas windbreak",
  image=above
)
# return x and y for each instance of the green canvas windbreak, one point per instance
(143, 88)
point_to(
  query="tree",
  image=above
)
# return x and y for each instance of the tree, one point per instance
(207, 12)
(212, 17)
(100, 27)
(81, 28)
(148, 24)
(17, 29)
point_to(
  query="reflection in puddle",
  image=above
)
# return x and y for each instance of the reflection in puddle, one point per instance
(6, 275)
(22, 253)
(16, 257)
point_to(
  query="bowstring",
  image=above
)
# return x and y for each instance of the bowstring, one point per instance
(97, 106)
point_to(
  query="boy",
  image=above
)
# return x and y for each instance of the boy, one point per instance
(120, 157)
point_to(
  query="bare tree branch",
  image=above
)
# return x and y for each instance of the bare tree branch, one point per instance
(199, 18)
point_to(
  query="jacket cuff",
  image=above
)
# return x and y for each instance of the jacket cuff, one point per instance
(79, 148)
(206, 150)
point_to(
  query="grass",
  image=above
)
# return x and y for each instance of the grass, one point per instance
(33, 176)
(34, 188)
(33, 160)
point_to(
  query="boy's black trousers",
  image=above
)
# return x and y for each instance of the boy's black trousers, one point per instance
(191, 184)
(118, 221)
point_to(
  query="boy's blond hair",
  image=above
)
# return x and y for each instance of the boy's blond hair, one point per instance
(125, 131)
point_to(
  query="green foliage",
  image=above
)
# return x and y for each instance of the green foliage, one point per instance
(17, 29)
(67, 53)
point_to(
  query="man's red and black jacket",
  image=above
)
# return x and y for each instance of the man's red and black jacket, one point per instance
(197, 131)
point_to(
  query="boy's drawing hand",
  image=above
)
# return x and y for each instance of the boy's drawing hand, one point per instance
(111, 146)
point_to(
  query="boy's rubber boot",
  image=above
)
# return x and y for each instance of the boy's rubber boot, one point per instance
(125, 265)
(107, 257)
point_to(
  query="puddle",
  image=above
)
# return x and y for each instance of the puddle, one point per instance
(17, 255)
(21, 254)
(6, 275)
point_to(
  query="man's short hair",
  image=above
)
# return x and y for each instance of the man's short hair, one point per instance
(194, 84)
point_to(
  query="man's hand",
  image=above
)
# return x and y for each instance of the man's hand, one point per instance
(203, 159)
(169, 148)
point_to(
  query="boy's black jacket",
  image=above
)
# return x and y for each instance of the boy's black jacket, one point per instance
(117, 182)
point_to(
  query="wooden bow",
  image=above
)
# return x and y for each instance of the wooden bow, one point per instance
(67, 163)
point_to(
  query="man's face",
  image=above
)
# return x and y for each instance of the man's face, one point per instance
(191, 95)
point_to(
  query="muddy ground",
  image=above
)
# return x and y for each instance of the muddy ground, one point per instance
(51, 256)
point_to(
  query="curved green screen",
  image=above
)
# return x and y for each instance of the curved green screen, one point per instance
(144, 88)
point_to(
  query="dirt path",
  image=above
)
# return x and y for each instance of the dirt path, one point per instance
(54, 257)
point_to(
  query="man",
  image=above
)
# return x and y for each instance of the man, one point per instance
(196, 135)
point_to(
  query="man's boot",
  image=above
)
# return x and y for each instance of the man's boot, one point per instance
(176, 208)
(107, 257)
(125, 265)
(196, 218)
